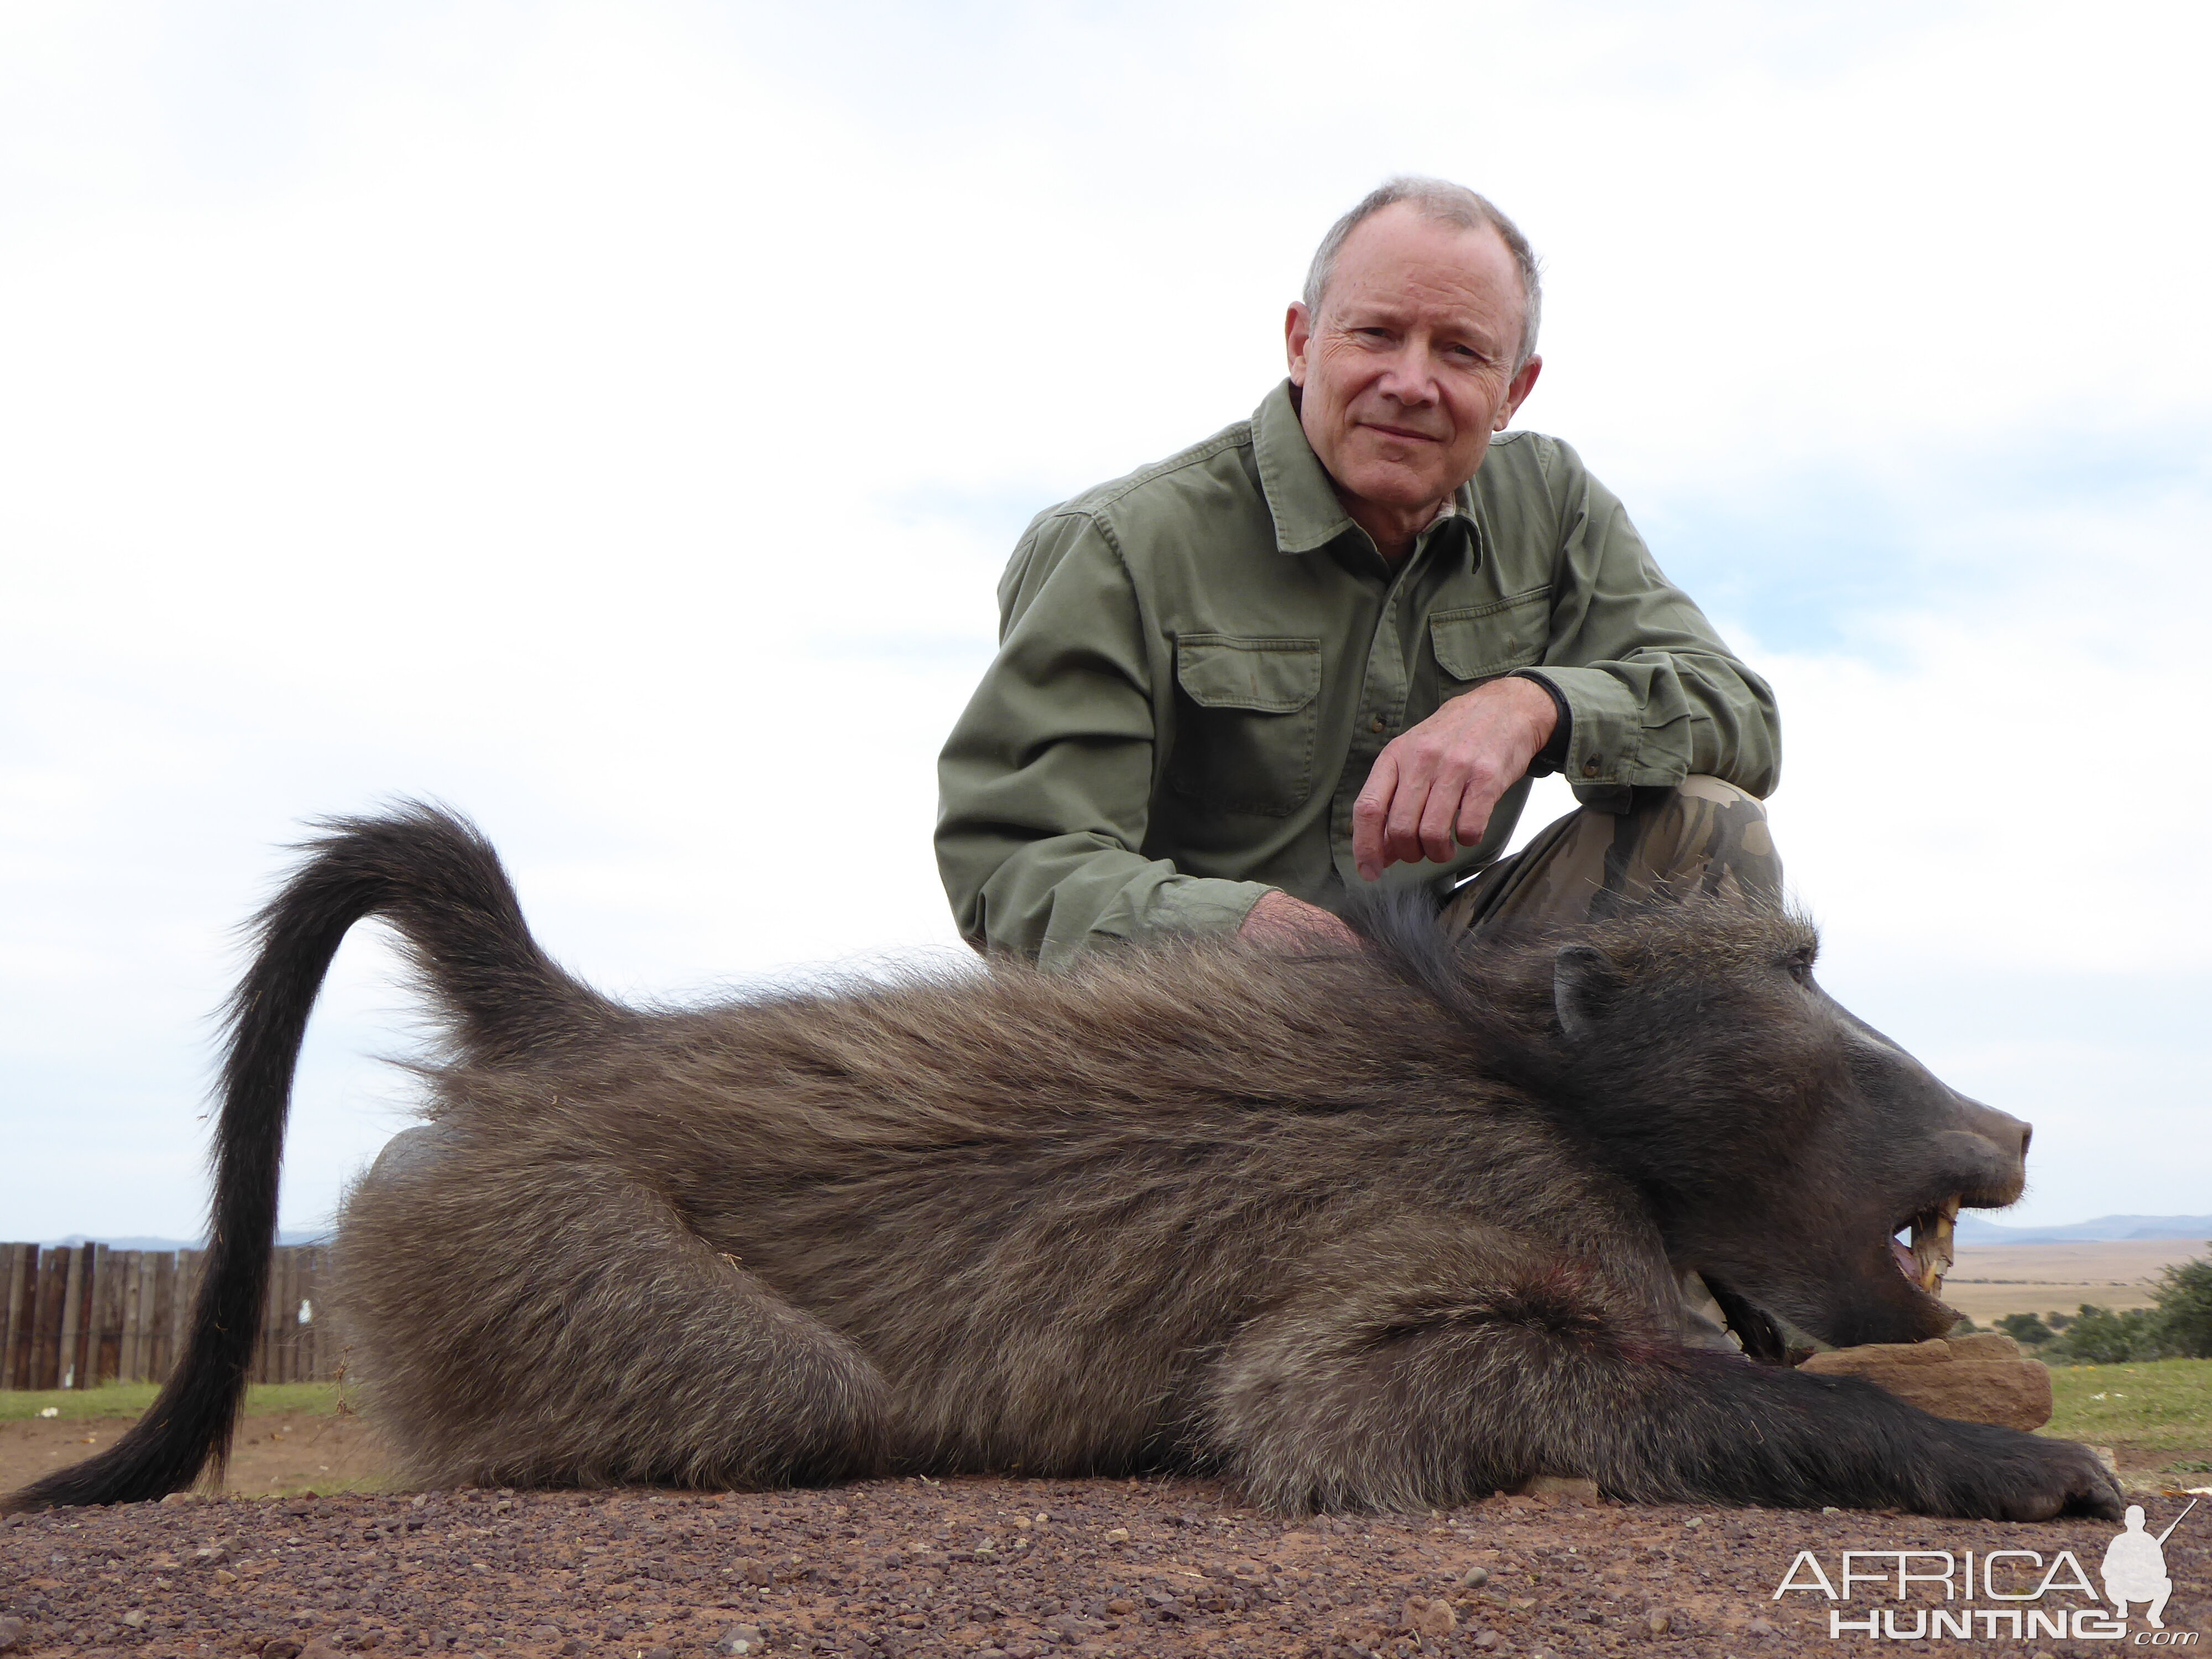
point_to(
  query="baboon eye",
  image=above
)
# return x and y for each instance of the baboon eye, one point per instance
(1800, 969)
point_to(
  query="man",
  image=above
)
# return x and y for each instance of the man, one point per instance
(1328, 647)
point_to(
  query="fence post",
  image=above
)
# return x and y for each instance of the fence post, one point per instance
(11, 1303)
(15, 1306)
(111, 1273)
(159, 1306)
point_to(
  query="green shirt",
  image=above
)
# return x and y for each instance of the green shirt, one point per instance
(1199, 663)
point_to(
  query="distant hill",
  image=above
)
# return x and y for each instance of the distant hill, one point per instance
(2105, 1230)
(75, 1239)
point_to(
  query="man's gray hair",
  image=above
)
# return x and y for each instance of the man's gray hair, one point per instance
(1447, 203)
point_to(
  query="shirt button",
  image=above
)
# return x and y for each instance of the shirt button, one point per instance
(1589, 767)
(1378, 723)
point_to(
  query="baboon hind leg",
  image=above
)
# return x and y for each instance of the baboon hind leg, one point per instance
(560, 1326)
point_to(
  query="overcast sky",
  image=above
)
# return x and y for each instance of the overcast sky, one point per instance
(612, 419)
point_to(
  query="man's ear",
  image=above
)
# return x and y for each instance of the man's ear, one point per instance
(1517, 390)
(1298, 335)
(1581, 980)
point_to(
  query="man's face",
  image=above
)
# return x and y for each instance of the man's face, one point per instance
(1408, 369)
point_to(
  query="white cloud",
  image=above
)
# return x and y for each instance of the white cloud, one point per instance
(612, 419)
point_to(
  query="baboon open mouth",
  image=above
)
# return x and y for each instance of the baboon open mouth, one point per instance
(1927, 1258)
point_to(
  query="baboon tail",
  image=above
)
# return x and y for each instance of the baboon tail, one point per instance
(436, 880)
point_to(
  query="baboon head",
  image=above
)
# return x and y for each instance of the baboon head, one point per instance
(1785, 1144)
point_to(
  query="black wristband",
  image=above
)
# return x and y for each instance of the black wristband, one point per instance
(1554, 755)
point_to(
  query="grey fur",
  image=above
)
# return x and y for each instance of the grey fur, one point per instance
(1364, 1230)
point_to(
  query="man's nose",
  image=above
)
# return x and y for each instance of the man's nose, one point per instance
(1408, 378)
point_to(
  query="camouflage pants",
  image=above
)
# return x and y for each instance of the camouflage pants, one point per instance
(1701, 836)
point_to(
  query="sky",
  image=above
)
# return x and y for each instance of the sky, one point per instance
(610, 419)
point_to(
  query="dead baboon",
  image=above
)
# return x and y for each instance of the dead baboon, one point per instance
(1391, 1227)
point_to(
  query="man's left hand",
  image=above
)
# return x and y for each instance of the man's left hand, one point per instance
(1434, 786)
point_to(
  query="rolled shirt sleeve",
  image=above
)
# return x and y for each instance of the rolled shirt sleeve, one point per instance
(1047, 780)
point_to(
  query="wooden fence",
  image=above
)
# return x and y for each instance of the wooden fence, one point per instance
(78, 1317)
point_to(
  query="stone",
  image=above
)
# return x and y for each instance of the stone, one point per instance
(280, 1647)
(11, 1633)
(1475, 1577)
(1658, 1621)
(1561, 1487)
(1117, 1535)
(740, 1639)
(1969, 1379)
(750, 1570)
(1431, 1617)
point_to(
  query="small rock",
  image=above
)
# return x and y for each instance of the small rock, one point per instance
(572, 1647)
(11, 1633)
(912, 1620)
(752, 1569)
(1475, 1577)
(660, 1651)
(280, 1647)
(214, 1555)
(1117, 1535)
(133, 1617)
(1759, 1627)
(740, 1639)
(1561, 1485)
(1658, 1621)
(225, 1576)
(1431, 1617)
(1486, 1640)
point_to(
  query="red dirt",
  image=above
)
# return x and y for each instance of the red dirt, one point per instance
(900, 1567)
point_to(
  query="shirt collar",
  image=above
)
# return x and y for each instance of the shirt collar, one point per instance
(1300, 497)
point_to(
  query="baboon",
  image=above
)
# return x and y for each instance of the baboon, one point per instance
(1391, 1227)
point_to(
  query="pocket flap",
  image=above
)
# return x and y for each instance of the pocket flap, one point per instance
(1480, 640)
(1232, 671)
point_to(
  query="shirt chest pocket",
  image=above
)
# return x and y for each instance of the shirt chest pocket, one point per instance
(1480, 642)
(1246, 710)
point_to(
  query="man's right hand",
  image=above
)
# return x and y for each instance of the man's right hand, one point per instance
(1281, 922)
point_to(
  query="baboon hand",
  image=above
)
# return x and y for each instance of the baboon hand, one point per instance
(2052, 1477)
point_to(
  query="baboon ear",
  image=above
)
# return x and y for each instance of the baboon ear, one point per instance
(1581, 976)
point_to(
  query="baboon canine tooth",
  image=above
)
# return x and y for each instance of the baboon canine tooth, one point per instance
(1931, 1244)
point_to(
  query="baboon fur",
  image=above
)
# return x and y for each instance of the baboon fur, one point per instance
(1391, 1227)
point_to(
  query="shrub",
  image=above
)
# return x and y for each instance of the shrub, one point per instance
(2098, 1336)
(2025, 1329)
(2183, 1296)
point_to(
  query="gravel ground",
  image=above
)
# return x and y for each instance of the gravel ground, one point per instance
(978, 1567)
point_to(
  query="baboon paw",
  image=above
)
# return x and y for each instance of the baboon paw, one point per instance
(2059, 1478)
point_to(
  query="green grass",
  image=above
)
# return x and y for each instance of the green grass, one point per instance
(2159, 1405)
(131, 1399)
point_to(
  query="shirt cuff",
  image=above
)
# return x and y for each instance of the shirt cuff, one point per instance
(1181, 907)
(1606, 728)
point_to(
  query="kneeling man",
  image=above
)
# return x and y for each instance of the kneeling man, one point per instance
(1331, 645)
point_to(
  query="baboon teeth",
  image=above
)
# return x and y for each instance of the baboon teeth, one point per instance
(1931, 1245)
